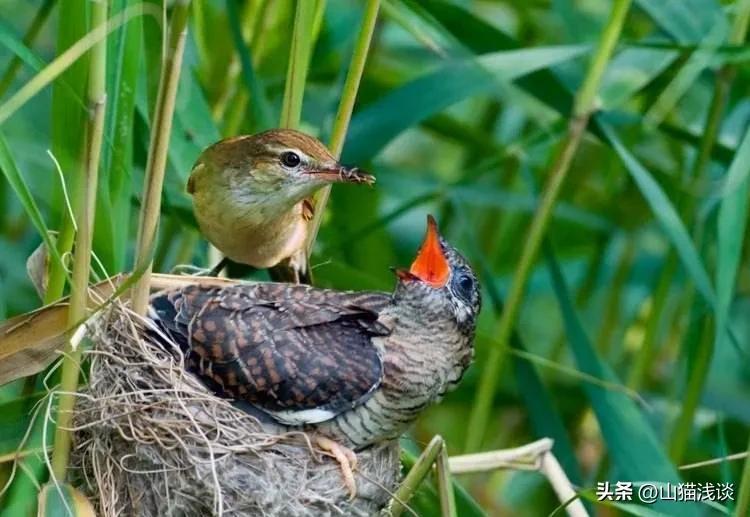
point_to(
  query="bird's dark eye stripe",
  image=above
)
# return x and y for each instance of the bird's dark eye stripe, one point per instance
(290, 159)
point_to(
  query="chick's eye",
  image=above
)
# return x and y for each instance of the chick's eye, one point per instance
(290, 159)
(465, 285)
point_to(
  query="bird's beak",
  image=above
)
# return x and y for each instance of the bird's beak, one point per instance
(337, 173)
(431, 265)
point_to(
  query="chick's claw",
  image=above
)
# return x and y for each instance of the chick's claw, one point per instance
(347, 461)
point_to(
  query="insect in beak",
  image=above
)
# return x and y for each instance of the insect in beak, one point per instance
(337, 173)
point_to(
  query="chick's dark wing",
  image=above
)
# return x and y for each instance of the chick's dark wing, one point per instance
(298, 353)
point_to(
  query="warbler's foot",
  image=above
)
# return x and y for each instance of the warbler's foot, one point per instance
(347, 461)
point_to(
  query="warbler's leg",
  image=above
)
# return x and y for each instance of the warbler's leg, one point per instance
(218, 268)
(347, 461)
(294, 269)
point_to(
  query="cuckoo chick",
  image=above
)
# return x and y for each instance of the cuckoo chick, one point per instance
(352, 368)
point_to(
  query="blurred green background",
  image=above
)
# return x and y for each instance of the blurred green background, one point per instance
(462, 106)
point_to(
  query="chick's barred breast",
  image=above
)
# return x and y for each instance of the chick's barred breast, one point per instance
(299, 354)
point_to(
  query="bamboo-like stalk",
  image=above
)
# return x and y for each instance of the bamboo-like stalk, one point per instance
(157, 153)
(615, 296)
(585, 105)
(320, 10)
(66, 59)
(67, 137)
(345, 109)
(445, 485)
(241, 21)
(261, 119)
(645, 356)
(704, 353)
(85, 212)
(743, 499)
(532, 456)
(299, 63)
(416, 475)
(584, 291)
(698, 369)
(57, 272)
(32, 32)
(686, 206)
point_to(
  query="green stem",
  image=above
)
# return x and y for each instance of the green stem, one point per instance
(354, 77)
(239, 19)
(258, 28)
(36, 25)
(416, 475)
(612, 306)
(157, 152)
(704, 354)
(171, 227)
(261, 119)
(294, 91)
(67, 130)
(504, 327)
(299, 63)
(246, 83)
(320, 10)
(585, 290)
(585, 102)
(152, 38)
(345, 109)
(66, 107)
(85, 212)
(585, 105)
(698, 372)
(58, 273)
(445, 485)
(645, 357)
(743, 499)
(186, 248)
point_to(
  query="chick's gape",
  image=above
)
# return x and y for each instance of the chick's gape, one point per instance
(252, 195)
(353, 368)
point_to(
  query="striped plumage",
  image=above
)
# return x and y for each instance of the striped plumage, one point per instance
(298, 354)
(424, 357)
(354, 367)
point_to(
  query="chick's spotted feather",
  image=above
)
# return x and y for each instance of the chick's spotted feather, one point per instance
(299, 354)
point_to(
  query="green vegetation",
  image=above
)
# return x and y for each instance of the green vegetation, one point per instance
(591, 158)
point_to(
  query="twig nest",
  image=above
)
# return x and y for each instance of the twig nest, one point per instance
(152, 440)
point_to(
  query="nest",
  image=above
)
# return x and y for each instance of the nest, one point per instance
(152, 440)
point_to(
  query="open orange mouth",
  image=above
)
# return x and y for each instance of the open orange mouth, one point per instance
(431, 266)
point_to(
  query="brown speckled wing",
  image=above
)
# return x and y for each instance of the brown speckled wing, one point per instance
(299, 353)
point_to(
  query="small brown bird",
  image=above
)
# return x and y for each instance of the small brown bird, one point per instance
(252, 195)
(352, 368)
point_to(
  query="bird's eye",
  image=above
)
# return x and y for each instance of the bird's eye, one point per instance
(290, 159)
(465, 286)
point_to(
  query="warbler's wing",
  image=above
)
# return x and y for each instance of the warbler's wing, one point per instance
(298, 353)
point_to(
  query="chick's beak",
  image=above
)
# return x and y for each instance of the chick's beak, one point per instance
(337, 173)
(431, 265)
